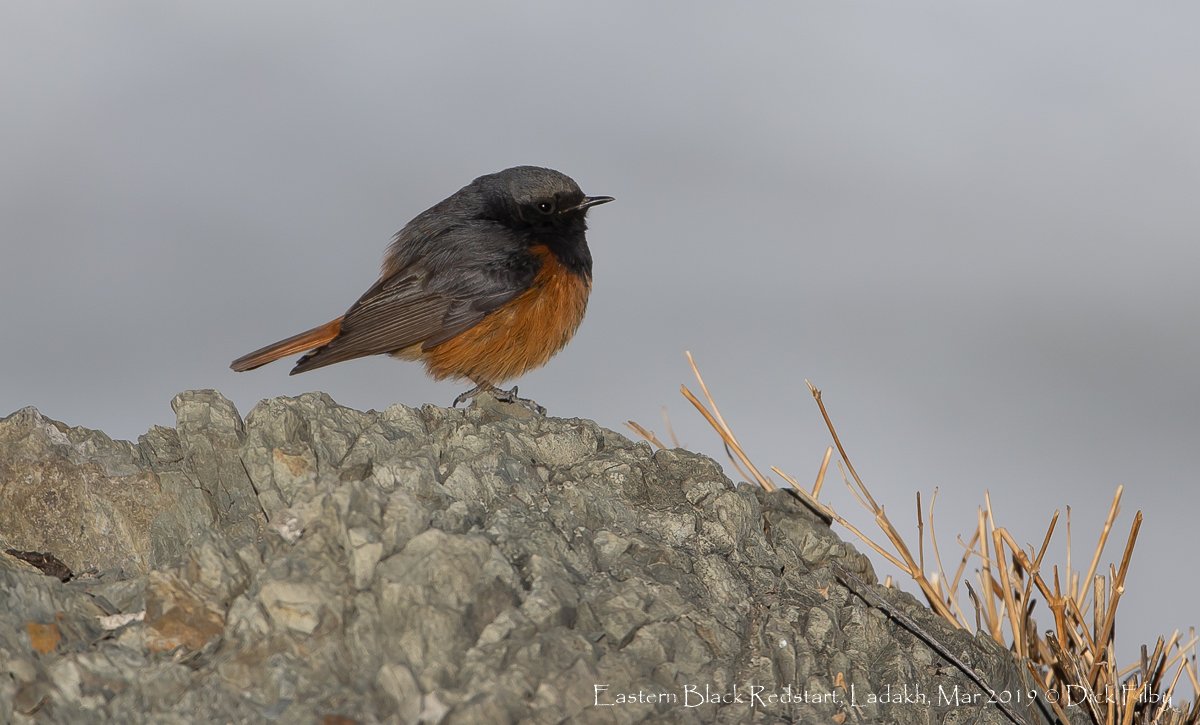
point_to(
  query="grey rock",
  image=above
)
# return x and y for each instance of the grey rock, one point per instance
(433, 565)
(56, 477)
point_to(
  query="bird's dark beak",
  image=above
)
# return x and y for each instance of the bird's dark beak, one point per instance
(590, 201)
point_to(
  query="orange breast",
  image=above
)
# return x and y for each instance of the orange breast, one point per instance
(521, 335)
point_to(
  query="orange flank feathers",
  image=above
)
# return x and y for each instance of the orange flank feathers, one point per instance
(521, 335)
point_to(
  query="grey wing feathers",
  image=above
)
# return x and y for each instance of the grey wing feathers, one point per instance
(446, 290)
(464, 314)
(385, 319)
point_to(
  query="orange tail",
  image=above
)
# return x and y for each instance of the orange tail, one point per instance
(303, 342)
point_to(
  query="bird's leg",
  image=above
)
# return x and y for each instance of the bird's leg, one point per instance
(504, 396)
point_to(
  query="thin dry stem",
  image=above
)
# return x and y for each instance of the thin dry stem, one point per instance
(1108, 524)
(816, 393)
(1105, 634)
(670, 429)
(816, 489)
(724, 427)
(645, 433)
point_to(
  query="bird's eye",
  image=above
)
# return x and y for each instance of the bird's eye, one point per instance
(545, 207)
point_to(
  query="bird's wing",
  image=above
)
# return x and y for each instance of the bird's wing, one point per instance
(467, 272)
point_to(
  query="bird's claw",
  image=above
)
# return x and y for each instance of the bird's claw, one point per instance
(469, 395)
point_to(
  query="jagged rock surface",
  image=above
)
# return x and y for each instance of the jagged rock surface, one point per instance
(436, 565)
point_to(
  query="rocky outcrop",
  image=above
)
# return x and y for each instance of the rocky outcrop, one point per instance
(322, 564)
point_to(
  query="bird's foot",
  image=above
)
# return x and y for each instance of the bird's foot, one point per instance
(510, 396)
(504, 396)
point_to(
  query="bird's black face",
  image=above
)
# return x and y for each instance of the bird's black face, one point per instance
(535, 197)
(559, 209)
(545, 207)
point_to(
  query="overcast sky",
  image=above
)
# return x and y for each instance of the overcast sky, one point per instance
(973, 225)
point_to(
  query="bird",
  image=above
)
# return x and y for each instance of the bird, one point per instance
(485, 285)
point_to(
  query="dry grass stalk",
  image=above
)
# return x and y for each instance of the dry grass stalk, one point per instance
(670, 429)
(645, 433)
(718, 423)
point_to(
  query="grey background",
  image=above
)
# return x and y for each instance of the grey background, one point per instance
(972, 224)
